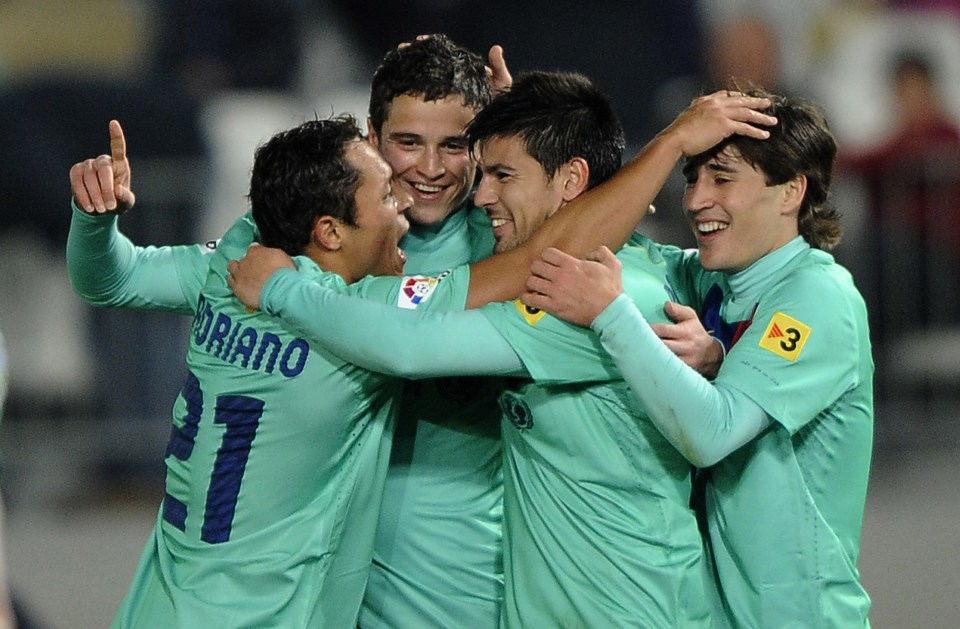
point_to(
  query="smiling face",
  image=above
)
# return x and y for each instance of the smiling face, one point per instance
(515, 191)
(372, 246)
(736, 217)
(424, 143)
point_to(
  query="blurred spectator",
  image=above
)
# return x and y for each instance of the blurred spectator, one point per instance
(921, 120)
(923, 133)
(911, 182)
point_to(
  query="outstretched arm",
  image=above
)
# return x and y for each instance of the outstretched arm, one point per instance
(705, 422)
(608, 214)
(408, 343)
(106, 268)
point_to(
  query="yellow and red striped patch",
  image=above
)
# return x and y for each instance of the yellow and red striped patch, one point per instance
(785, 336)
(532, 315)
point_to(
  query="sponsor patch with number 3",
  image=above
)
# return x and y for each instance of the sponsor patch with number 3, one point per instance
(785, 336)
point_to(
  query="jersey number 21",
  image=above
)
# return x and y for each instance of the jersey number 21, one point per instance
(241, 415)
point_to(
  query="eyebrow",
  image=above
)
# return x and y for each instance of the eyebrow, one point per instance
(495, 167)
(402, 135)
(719, 167)
(689, 171)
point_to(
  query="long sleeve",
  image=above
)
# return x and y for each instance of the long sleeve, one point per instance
(407, 343)
(705, 422)
(107, 269)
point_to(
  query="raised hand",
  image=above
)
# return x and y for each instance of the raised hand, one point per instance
(101, 185)
(573, 289)
(497, 71)
(687, 338)
(249, 275)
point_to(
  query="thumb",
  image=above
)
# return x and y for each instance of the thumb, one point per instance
(604, 256)
(678, 312)
(125, 197)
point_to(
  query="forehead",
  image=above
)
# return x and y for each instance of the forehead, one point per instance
(369, 163)
(507, 151)
(728, 159)
(448, 115)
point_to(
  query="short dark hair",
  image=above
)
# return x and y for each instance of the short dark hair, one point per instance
(431, 68)
(300, 175)
(799, 144)
(558, 116)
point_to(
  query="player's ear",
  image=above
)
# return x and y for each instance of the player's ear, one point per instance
(793, 193)
(328, 233)
(372, 134)
(576, 176)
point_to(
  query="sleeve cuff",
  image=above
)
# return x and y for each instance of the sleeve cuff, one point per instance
(271, 298)
(617, 308)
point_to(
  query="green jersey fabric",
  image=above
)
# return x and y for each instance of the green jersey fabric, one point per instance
(784, 512)
(275, 470)
(437, 556)
(598, 531)
(446, 532)
(106, 269)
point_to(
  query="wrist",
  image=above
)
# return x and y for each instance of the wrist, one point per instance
(714, 359)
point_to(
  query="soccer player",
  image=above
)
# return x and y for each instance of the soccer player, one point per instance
(278, 450)
(784, 432)
(598, 530)
(437, 557)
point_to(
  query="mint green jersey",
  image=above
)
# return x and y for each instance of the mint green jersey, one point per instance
(598, 531)
(459, 527)
(275, 471)
(438, 554)
(785, 512)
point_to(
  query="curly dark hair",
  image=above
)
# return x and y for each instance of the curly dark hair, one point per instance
(799, 144)
(432, 68)
(558, 116)
(301, 174)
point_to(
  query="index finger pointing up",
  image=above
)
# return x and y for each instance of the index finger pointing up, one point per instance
(118, 145)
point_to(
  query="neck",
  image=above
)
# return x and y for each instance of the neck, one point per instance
(332, 262)
(753, 280)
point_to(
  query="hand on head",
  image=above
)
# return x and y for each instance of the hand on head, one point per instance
(713, 118)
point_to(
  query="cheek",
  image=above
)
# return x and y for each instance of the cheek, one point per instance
(462, 168)
(399, 161)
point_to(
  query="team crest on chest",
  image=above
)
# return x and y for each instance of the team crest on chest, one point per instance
(516, 410)
(785, 336)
